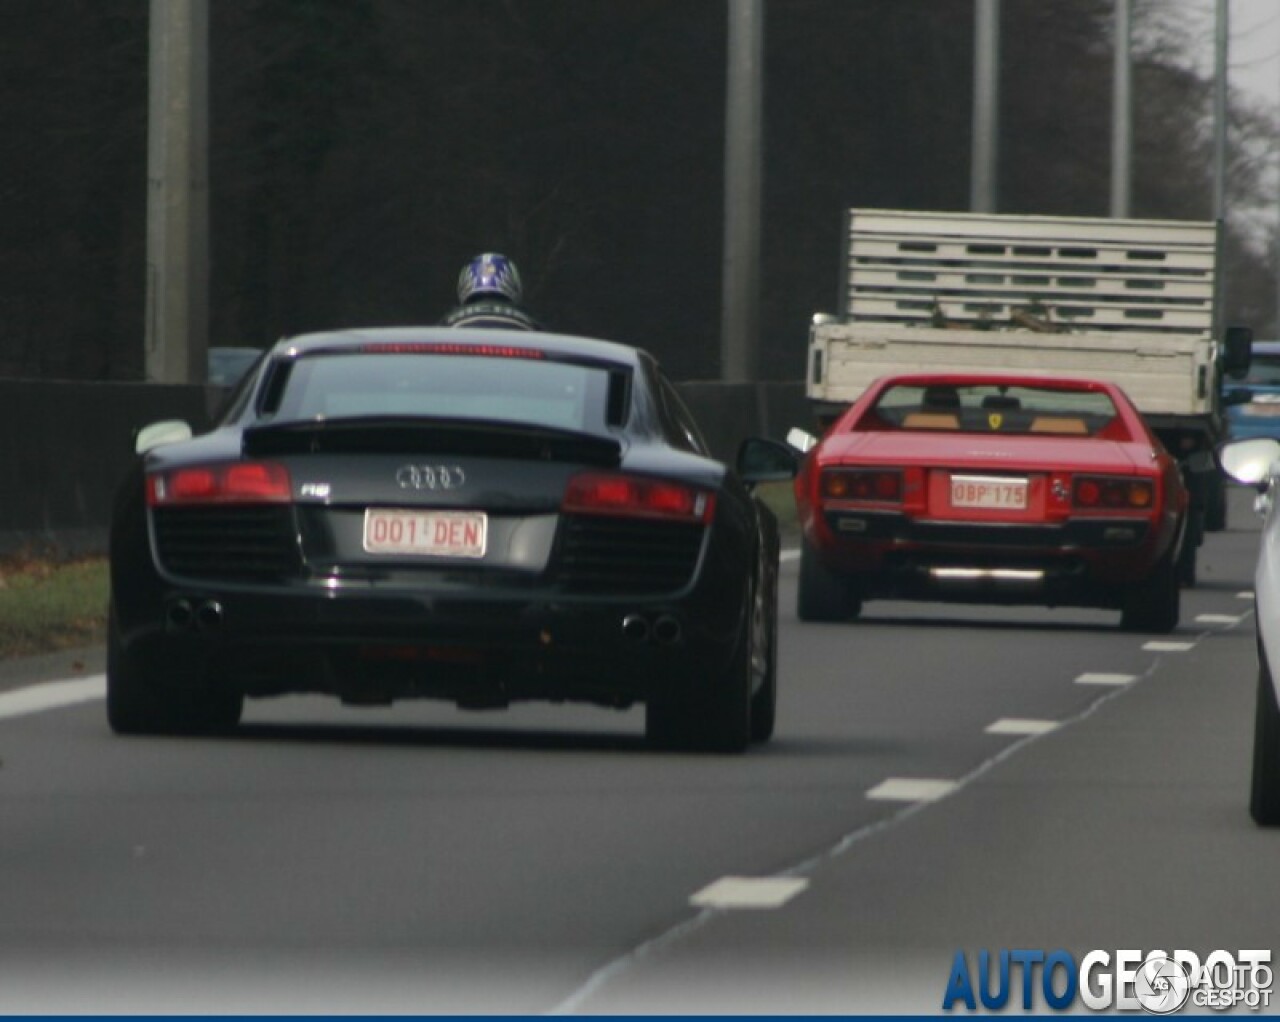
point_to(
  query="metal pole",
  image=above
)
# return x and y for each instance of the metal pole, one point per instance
(1221, 35)
(986, 101)
(177, 312)
(1122, 113)
(739, 324)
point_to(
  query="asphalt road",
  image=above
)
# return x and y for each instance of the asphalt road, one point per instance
(420, 859)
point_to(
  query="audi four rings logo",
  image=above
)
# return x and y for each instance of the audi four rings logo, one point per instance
(430, 477)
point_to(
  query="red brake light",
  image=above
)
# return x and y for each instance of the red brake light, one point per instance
(1113, 493)
(237, 483)
(448, 348)
(635, 496)
(883, 485)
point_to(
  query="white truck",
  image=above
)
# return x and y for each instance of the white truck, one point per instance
(1135, 302)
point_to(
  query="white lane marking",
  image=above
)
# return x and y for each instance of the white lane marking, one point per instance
(789, 555)
(625, 962)
(749, 892)
(1168, 647)
(911, 789)
(52, 695)
(1246, 595)
(1021, 726)
(1219, 619)
(1102, 678)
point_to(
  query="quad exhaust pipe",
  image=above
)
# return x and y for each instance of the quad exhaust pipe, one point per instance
(664, 630)
(183, 615)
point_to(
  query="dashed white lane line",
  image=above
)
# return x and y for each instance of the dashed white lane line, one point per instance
(1246, 595)
(1102, 678)
(52, 695)
(789, 555)
(1168, 647)
(1219, 619)
(749, 892)
(1021, 726)
(911, 789)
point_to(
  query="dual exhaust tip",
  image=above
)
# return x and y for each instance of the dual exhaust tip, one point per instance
(198, 615)
(664, 630)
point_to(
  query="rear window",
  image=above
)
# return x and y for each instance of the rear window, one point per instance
(540, 392)
(1264, 370)
(991, 408)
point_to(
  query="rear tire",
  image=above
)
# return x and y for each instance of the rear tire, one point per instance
(138, 703)
(717, 719)
(1191, 548)
(1264, 796)
(823, 595)
(764, 703)
(1215, 512)
(1156, 604)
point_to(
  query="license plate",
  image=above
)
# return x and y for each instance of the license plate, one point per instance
(989, 492)
(426, 533)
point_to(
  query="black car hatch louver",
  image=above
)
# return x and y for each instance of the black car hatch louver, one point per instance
(242, 542)
(627, 557)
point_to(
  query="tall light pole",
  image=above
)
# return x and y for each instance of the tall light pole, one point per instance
(1122, 113)
(177, 313)
(739, 322)
(1222, 24)
(986, 102)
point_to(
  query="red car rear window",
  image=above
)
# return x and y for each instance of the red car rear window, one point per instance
(995, 408)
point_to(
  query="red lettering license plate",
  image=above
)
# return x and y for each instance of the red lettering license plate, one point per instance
(426, 533)
(997, 492)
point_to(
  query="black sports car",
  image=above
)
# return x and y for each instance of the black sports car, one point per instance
(460, 515)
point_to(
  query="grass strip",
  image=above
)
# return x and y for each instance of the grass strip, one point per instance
(46, 606)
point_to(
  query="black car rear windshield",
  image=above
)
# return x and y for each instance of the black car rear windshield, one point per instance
(993, 408)
(539, 392)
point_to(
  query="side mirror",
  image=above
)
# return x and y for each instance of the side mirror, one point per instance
(1237, 351)
(168, 431)
(800, 440)
(1250, 461)
(765, 461)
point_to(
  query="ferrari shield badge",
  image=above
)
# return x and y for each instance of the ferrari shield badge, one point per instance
(995, 420)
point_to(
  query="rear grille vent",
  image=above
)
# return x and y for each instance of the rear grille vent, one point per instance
(627, 557)
(244, 542)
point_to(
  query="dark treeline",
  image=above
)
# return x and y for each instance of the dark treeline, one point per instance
(361, 150)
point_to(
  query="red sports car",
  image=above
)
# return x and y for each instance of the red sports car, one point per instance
(1000, 488)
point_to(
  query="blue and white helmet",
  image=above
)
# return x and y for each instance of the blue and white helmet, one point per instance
(490, 274)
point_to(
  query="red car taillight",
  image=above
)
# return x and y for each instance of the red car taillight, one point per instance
(884, 485)
(249, 482)
(1110, 492)
(634, 496)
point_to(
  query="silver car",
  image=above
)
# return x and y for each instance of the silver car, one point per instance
(1256, 462)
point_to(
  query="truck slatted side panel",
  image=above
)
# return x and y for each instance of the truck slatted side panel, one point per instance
(1151, 368)
(1077, 273)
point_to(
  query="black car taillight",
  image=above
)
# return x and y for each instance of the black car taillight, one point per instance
(610, 493)
(1112, 493)
(239, 482)
(884, 485)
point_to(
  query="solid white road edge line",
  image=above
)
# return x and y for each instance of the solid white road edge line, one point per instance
(53, 695)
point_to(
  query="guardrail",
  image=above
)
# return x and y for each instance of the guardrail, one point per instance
(67, 445)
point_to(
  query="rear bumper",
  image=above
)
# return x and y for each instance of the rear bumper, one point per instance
(1084, 562)
(374, 646)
